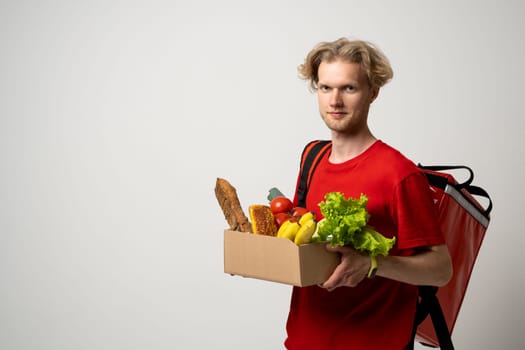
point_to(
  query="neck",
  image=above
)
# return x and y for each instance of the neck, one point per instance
(345, 147)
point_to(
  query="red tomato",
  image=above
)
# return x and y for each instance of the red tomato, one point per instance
(299, 211)
(280, 204)
(281, 218)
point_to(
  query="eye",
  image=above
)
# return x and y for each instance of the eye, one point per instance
(349, 88)
(324, 88)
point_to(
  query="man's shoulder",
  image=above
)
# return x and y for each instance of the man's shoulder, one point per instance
(394, 160)
(388, 151)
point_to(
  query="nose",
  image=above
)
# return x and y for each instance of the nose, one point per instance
(335, 98)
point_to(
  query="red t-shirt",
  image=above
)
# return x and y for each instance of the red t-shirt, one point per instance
(378, 313)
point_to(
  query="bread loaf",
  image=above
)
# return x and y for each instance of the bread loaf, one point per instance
(263, 221)
(231, 206)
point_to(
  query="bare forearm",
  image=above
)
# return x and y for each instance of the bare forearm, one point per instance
(431, 267)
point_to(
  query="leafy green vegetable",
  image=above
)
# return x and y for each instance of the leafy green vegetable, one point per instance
(345, 222)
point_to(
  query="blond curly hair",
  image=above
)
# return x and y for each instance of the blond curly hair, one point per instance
(372, 60)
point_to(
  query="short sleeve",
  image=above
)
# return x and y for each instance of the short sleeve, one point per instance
(415, 214)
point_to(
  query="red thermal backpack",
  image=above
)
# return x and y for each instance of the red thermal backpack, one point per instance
(463, 221)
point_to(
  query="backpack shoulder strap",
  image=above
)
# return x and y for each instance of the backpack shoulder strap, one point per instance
(434, 179)
(312, 153)
(450, 167)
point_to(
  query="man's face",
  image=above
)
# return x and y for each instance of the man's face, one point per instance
(344, 96)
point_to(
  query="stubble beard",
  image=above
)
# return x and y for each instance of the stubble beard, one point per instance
(342, 126)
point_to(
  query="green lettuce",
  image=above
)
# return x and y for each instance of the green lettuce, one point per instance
(345, 222)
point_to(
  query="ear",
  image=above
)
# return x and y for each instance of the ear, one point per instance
(374, 92)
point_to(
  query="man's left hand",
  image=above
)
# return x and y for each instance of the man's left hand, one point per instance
(353, 268)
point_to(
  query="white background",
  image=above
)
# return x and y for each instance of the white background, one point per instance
(117, 117)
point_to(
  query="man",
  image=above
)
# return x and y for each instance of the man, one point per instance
(349, 310)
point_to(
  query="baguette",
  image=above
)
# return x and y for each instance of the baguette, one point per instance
(231, 206)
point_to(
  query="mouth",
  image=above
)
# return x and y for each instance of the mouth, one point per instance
(337, 114)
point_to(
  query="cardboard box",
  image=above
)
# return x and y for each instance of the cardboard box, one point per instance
(277, 259)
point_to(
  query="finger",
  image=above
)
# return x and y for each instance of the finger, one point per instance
(334, 280)
(328, 286)
(336, 249)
